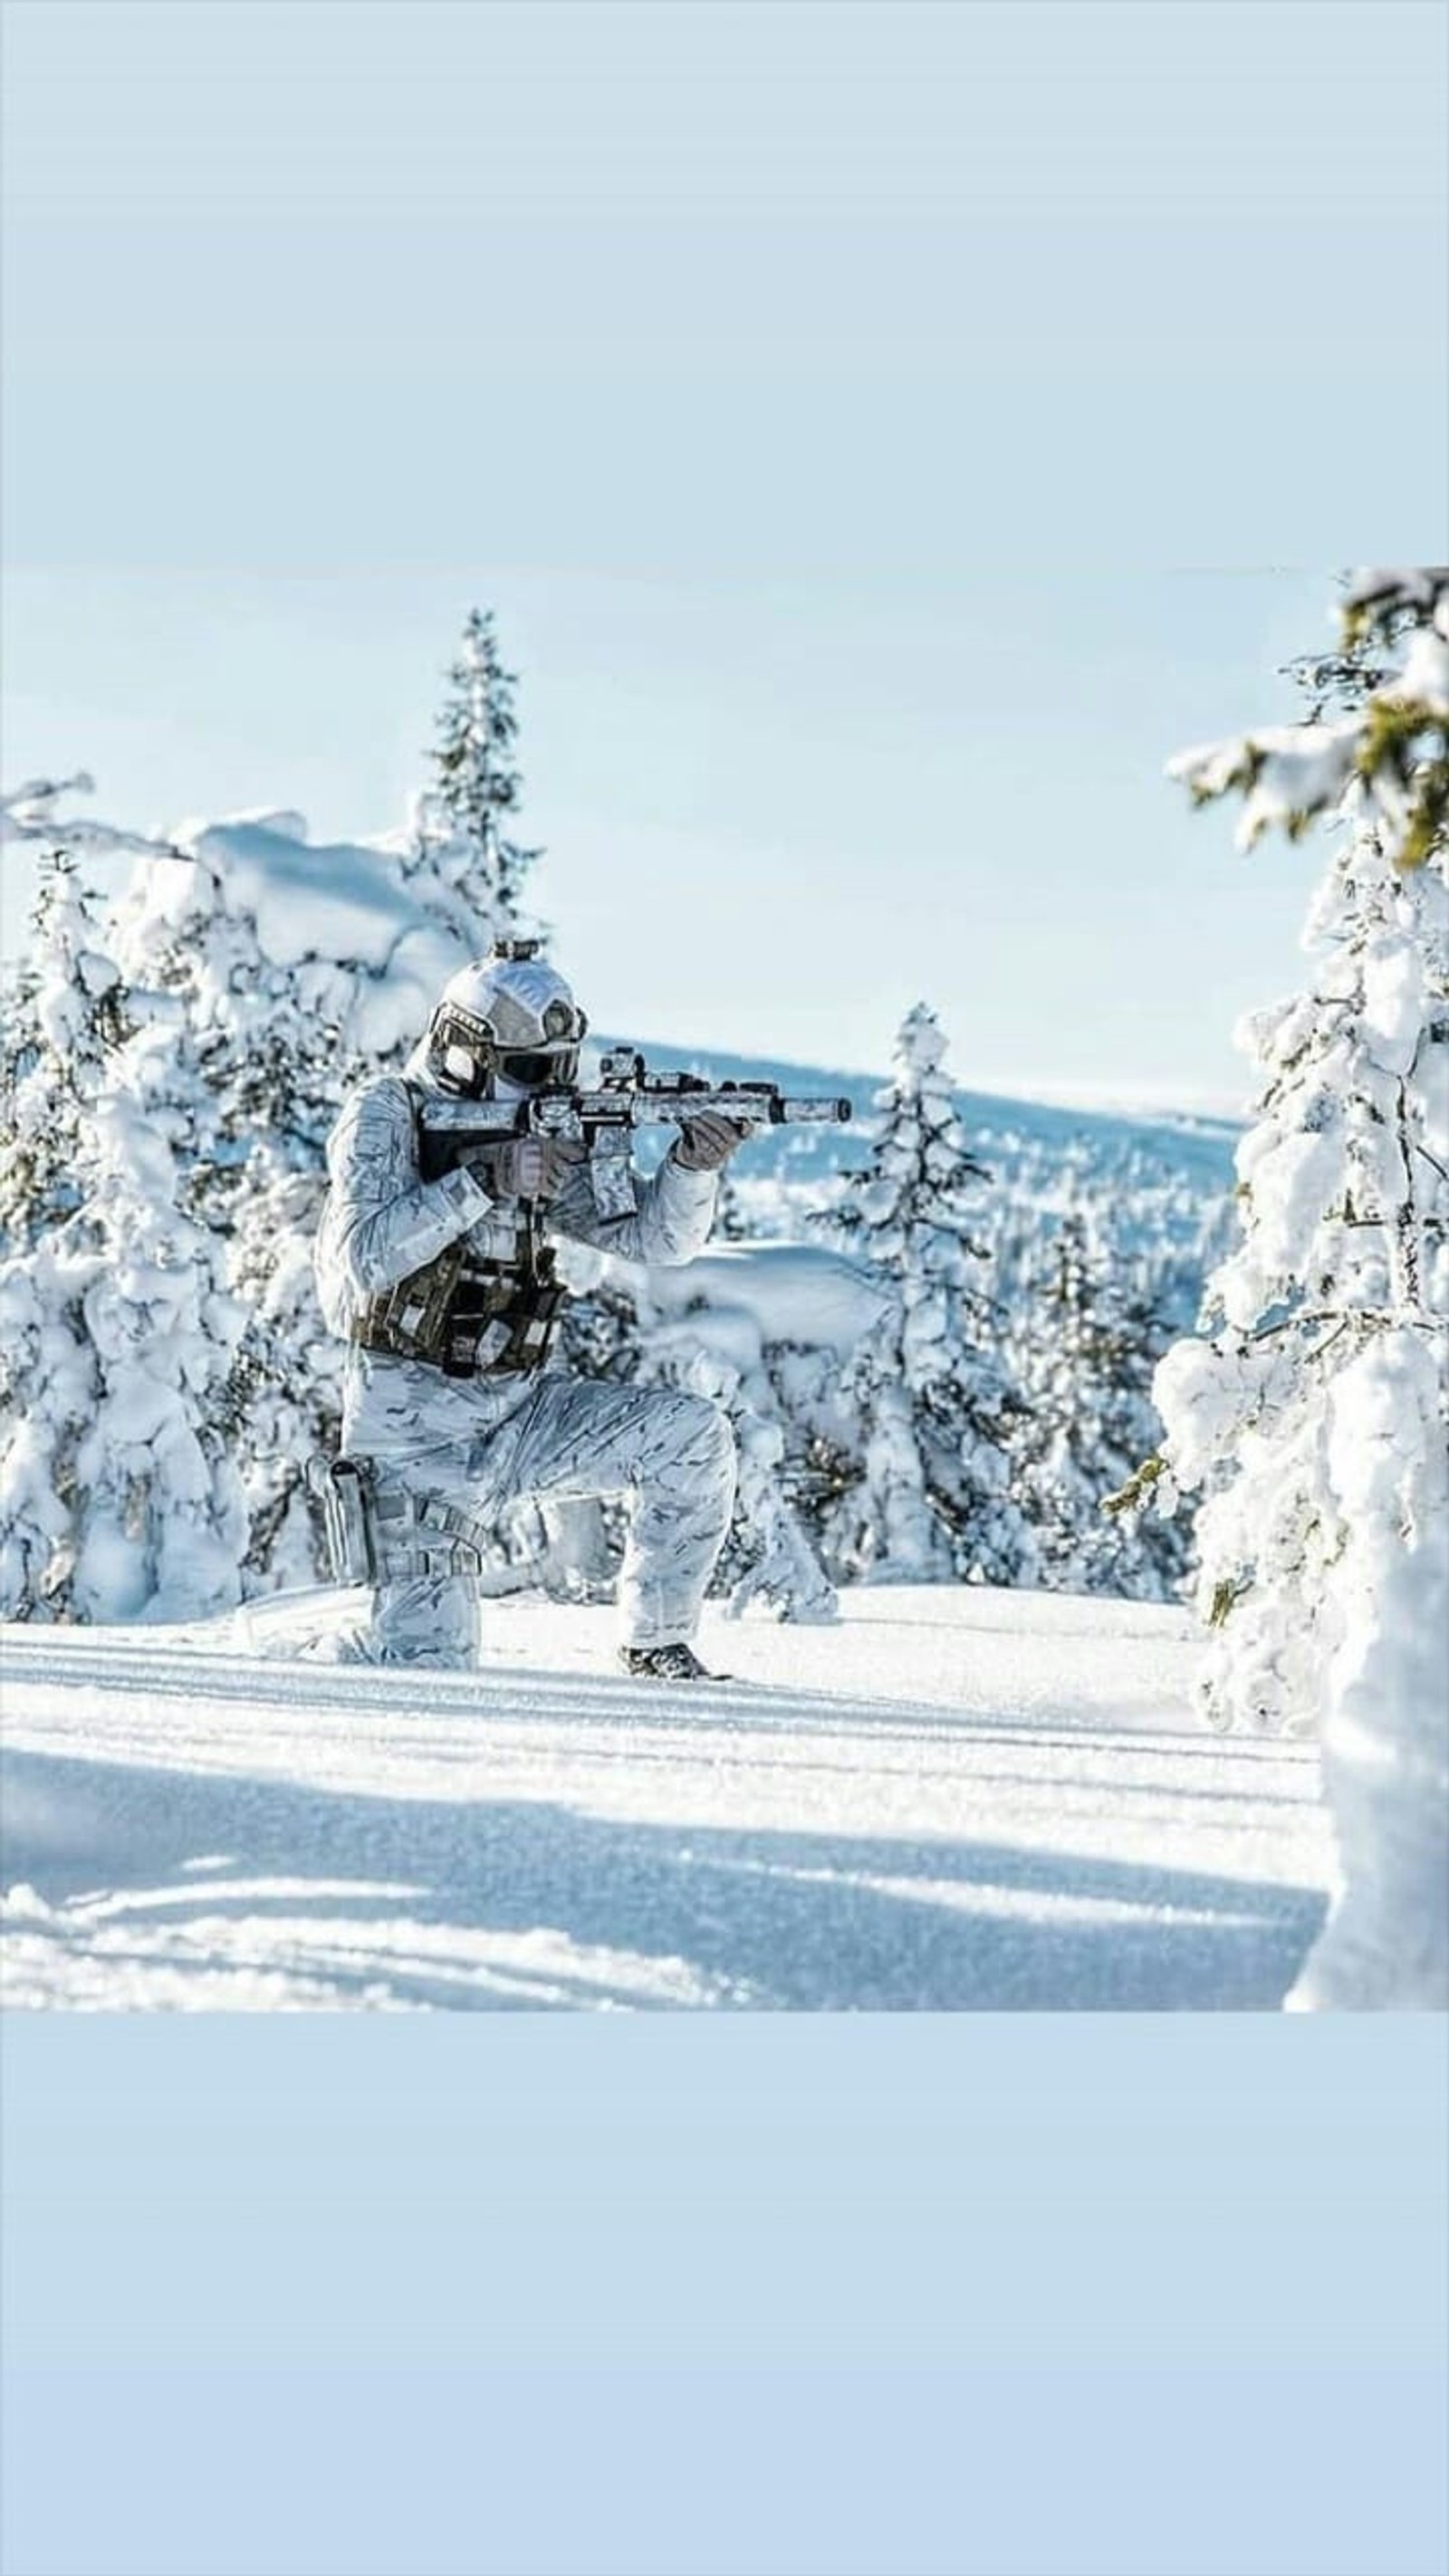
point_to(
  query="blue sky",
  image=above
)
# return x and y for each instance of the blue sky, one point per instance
(884, 434)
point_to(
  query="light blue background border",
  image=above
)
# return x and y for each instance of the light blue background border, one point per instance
(854, 2296)
(848, 2297)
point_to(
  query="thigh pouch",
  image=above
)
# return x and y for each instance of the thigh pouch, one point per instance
(380, 1532)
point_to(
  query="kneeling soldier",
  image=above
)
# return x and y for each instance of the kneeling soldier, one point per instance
(445, 1289)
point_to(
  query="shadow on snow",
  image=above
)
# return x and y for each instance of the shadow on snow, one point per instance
(772, 1919)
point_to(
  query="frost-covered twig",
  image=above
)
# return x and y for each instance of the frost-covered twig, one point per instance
(29, 813)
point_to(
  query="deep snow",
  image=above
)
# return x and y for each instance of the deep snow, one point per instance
(952, 1799)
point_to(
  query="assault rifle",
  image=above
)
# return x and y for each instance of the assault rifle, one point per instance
(626, 1096)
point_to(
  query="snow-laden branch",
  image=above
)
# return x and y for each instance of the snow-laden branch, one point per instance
(1286, 774)
(29, 813)
(1392, 747)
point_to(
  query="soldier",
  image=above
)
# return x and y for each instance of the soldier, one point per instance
(445, 1289)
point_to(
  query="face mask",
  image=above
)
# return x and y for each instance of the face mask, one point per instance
(460, 1070)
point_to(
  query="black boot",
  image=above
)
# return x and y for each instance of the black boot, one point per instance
(677, 1663)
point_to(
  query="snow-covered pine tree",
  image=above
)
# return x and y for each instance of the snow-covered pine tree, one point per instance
(246, 1083)
(936, 1404)
(118, 1498)
(1091, 1338)
(462, 820)
(1315, 1415)
(94, 1296)
(64, 1004)
(65, 1017)
(160, 1512)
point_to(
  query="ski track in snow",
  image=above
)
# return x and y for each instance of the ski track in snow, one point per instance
(951, 1800)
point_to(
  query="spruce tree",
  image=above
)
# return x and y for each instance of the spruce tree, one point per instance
(118, 1497)
(88, 1181)
(48, 1391)
(935, 1401)
(64, 1005)
(463, 821)
(1093, 1335)
(160, 1512)
(66, 1014)
(65, 1017)
(1314, 1414)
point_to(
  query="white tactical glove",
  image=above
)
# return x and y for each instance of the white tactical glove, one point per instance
(707, 1142)
(525, 1167)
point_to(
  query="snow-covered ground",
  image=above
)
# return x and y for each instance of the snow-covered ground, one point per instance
(954, 1799)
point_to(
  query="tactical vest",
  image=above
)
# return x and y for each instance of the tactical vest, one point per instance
(467, 1316)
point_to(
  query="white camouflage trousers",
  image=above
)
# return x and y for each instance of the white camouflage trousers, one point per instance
(486, 1446)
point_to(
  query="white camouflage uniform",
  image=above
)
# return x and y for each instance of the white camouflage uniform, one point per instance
(484, 1444)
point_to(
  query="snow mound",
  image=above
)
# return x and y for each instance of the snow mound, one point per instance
(793, 1293)
(344, 906)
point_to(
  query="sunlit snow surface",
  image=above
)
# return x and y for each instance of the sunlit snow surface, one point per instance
(952, 1800)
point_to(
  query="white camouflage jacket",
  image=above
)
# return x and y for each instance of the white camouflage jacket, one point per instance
(381, 1221)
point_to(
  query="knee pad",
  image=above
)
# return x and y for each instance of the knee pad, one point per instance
(718, 1433)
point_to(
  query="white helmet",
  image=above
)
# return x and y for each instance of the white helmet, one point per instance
(511, 1018)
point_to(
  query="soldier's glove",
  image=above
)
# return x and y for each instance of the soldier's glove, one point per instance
(707, 1142)
(524, 1167)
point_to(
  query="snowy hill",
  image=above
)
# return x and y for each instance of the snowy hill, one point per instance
(1013, 1136)
(957, 1799)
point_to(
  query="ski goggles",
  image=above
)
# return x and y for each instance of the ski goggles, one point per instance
(536, 1069)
